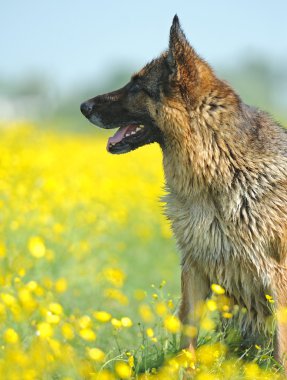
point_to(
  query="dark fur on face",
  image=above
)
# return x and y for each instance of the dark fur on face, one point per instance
(127, 109)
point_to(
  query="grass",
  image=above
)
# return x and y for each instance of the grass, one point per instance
(89, 271)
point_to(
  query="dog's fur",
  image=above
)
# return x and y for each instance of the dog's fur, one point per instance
(225, 166)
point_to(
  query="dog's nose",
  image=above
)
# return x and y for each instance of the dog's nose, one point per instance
(86, 109)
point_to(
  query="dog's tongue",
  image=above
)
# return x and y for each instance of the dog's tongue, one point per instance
(118, 136)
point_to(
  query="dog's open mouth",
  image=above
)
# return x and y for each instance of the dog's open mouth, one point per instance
(130, 137)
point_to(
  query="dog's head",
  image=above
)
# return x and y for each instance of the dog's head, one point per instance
(157, 100)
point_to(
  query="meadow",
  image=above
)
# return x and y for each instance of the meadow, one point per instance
(89, 271)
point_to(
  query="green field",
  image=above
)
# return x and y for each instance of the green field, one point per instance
(89, 271)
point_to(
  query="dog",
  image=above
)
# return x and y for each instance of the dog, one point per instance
(225, 166)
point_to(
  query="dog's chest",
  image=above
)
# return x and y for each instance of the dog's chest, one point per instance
(201, 235)
(212, 244)
(216, 250)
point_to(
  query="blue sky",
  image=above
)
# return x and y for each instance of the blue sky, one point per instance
(74, 41)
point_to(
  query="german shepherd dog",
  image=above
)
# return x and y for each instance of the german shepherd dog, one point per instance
(225, 166)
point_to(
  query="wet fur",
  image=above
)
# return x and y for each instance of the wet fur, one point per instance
(225, 166)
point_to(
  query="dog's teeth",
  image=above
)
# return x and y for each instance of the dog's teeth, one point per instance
(133, 132)
(141, 126)
(138, 129)
(128, 134)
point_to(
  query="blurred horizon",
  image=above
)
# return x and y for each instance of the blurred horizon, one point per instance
(57, 54)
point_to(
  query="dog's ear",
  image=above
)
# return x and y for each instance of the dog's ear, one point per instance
(180, 52)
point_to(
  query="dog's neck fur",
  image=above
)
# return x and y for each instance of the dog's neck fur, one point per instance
(202, 153)
(198, 149)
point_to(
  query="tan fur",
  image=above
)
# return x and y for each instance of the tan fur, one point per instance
(227, 202)
(227, 197)
(225, 166)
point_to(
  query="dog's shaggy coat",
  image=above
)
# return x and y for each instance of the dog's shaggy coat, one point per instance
(225, 166)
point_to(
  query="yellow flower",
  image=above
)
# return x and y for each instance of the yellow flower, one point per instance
(10, 336)
(103, 375)
(61, 285)
(146, 313)
(208, 354)
(85, 321)
(67, 331)
(52, 318)
(44, 330)
(26, 299)
(2, 250)
(225, 308)
(116, 323)
(55, 346)
(139, 294)
(58, 228)
(160, 308)
(37, 247)
(24, 295)
(96, 354)
(131, 361)
(126, 322)
(207, 324)
(8, 299)
(32, 286)
(269, 298)
(252, 371)
(172, 324)
(217, 289)
(115, 276)
(185, 359)
(211, 305)
(123, 370)
(227, 315)
(149, 332)
(87, 334)
(22, 272)
(206, 376)
(116, 294)
(56, 308)
(102, 316)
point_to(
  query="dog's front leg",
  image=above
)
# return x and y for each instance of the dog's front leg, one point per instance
(281, 328)
(194, 290)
